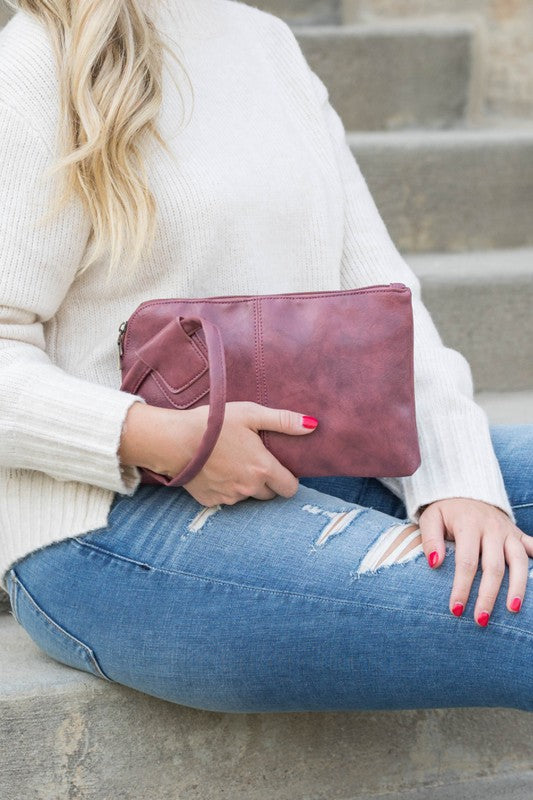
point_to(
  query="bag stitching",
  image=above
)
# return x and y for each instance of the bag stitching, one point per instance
(223, 301)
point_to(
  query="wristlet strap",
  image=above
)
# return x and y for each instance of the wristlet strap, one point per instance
(217, 389)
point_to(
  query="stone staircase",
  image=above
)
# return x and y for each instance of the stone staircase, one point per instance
(441, 123)
(444, 137)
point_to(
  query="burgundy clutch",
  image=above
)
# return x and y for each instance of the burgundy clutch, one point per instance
(344, 357)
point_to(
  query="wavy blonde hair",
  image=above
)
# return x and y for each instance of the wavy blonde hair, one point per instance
(110, 58)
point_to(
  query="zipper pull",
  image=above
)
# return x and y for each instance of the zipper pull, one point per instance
(121, 332)
(398, 285)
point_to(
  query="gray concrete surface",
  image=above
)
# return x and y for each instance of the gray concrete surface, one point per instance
(503, 43)
(65, 734)
(298, 11)
(481, 303)
(392, 77)
(513, 408)
(451, 191)
(508, 786)
(5, 12)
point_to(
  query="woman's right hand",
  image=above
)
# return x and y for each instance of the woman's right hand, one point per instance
(240, 466)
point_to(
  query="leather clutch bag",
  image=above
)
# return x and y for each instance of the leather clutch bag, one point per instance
(344, 357)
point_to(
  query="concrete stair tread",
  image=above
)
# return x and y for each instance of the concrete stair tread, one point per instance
(311, 11)
(481, 302)
(508, 408)
(389, 76)
(423, 137)
(508, 786)
(450, 191)
(474, 266)
(385, 28)
(25, 671)
(72, 734)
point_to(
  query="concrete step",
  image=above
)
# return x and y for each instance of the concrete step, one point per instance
(65, 734)
(391, 76)
(302, 11)
(451, 191)
(508, 408)
(5, 13)
(504, 42)
(481, 304)
(510, 787)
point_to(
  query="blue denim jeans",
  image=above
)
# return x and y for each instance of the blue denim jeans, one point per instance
(275, 605)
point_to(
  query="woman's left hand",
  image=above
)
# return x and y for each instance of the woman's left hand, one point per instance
(477, 528)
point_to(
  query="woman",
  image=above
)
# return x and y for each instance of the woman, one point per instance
(245, 590)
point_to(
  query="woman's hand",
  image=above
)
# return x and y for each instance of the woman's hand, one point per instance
(477, 527)
(164, 440)
(240, 466)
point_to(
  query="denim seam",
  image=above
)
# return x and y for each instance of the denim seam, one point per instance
(61, 630)
(202, 578)
(523, 505)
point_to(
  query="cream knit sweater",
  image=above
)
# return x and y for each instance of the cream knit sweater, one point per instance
(263, 195)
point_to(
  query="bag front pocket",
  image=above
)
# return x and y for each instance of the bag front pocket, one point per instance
(47, 634)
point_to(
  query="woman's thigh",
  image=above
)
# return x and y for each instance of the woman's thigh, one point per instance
(513, 446)
(271, 605)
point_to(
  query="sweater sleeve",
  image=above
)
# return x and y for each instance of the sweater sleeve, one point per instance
(50, 420)
(457, 455)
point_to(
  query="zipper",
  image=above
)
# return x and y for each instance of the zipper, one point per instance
(123, 325)
(121, 332)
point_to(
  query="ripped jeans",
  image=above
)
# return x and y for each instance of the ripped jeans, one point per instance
(310, 603)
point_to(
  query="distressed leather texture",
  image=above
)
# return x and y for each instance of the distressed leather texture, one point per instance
(344, 357)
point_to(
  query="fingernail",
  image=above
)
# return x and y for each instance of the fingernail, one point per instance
(457, 609)
(309, 422)
(433, 558)
(516, 602)
(483, 618)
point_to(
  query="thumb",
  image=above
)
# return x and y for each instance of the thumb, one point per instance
(283, 421)
(431, 526)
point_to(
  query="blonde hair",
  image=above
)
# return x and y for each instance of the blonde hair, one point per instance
(110, 58)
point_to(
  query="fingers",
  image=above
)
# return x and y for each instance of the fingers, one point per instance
(498, 543)
(527, 542)
(281, 420)
(432, 529)
(518, 561)
(281, 480)
(493, 570)
(467, 548)
(266, 493)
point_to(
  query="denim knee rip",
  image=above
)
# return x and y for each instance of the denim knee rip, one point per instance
(399, 543)
(199, 520)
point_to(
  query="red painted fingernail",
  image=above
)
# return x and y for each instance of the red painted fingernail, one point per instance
(309, 422)
(483, 618)
(433, 558)
(516, 603)
(458, 609)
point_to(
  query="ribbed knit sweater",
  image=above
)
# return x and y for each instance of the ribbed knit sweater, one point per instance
(262, 195)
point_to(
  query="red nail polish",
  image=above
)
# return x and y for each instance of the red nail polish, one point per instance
(309, 422)
(457, 609)
(483, 618)
(433, 558)
(516, 604)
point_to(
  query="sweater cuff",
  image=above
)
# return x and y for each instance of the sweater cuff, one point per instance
(458, 460)
(70, 428)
